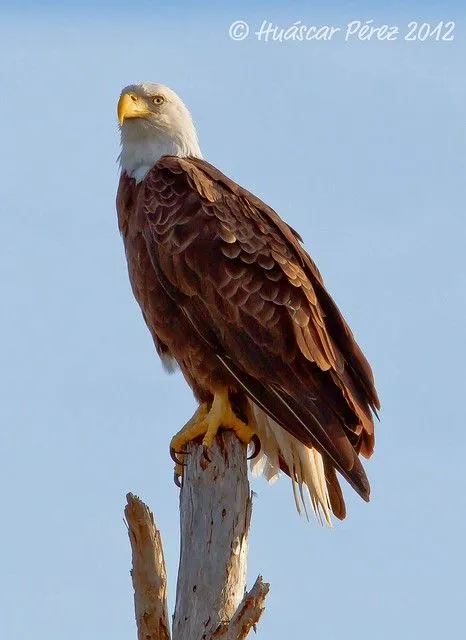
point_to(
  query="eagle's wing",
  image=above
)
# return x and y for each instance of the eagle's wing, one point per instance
(242, 278)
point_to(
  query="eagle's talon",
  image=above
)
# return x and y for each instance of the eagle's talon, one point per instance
(255, 441)
(176, 479)
(174, 456)
(207, 421)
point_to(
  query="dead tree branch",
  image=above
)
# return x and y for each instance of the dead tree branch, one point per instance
(148, 573)
(215, 514)
(247, 615)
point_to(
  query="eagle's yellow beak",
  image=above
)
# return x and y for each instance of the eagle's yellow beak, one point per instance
(131, 105)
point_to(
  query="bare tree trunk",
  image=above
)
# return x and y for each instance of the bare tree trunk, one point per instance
(215, 513)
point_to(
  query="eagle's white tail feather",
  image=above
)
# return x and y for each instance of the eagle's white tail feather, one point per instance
(304, 463)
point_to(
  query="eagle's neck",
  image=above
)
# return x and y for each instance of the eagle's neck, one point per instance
(141, 149)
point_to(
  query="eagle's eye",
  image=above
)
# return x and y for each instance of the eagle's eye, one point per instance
(158, 100)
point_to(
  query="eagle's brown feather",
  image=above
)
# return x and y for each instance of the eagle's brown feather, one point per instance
(229, 292)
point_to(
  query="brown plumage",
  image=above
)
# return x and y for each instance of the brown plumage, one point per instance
(228, 291)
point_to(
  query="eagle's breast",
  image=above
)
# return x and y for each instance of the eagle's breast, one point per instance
(174, 337)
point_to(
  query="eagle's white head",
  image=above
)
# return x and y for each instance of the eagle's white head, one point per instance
(154, 122)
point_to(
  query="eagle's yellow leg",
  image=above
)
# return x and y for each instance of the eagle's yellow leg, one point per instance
(206, 422)
(222, 415)
(191, 430)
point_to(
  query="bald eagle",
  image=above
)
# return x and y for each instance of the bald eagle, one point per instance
(230, 295)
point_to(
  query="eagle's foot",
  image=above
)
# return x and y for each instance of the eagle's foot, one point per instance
(193, 429)
(207, 422)
(221, 415)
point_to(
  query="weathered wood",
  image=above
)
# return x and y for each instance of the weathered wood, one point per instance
(148, 572)
(247, 615)
(215, 513)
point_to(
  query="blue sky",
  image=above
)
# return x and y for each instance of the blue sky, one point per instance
(360, 146)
